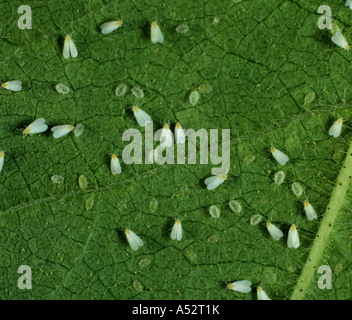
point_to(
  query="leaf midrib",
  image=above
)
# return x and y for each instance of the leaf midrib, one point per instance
(321, 240)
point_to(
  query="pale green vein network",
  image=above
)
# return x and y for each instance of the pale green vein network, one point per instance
(252, 135)
(261, 59)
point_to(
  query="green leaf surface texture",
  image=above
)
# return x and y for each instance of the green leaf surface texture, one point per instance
(253, 63)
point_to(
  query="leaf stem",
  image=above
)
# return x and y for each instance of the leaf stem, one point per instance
(321, 240)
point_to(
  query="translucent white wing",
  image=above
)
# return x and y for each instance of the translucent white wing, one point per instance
(133, 244)
(180, 136)
(335, 129)
(210, 181)
(2, 156)
(39, 129)
(137, 239)
(14, 85)
(283, 157)
(310, 211)
(335, 39)
(293, 239)
(66, 49)
(274, 231)
(179, 232)
(173, 234)
(115, 165)
(280, 157)
(155, 33)
(243, 286)
(139, 119)
(59, 131)
(289, 239)
(73, 49)
(213, 182)
(108, 27)
(339, 40)
(15, 82)
(141, 116)
(166, 138)
(36, 123)
(145, 116)
(261, 294)
(176, 232)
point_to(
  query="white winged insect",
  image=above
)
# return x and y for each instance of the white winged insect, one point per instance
(69, 48)
(2, 156)
(340, 41)
(293, 238)
(279, 156)
(243, 286)
(166, 136)
(215, 181)
(261, 294)
(180, 136)
(335, 129)
(61, 130)
(176, 232)
(134, 241)
(13, 85)
(310, 211)
(141, 116)
(110, 26)
(115, 166)
(155, 33)
(274, 231)
(37, 126)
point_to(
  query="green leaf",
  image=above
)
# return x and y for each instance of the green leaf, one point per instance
(253, 62)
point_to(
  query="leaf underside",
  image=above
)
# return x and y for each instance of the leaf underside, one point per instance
(260, 58)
